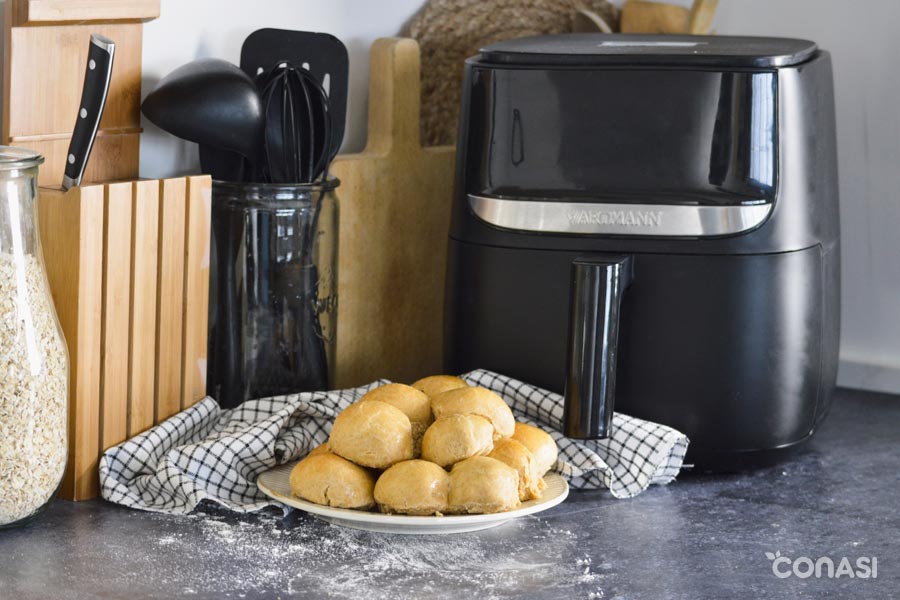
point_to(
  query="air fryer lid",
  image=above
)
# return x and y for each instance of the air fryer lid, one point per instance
(596, 49)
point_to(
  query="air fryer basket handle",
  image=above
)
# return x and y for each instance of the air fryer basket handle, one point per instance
(597, 286)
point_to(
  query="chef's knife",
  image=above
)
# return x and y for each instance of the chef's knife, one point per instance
(93, 100)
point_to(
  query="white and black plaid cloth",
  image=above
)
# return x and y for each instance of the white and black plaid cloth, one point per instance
(205, 453)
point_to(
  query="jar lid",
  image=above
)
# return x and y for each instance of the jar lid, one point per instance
(12, 158)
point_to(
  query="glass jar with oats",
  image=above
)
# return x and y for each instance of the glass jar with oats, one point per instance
(34, 363)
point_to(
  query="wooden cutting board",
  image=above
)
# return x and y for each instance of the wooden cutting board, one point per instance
(394, 200)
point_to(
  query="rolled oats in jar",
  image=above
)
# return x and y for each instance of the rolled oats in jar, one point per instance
(33, 356)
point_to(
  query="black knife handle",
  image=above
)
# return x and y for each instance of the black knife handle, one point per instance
(97, 75)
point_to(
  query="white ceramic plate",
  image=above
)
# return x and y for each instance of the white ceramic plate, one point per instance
(275, 483)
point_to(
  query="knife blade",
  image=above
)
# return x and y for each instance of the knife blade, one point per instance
(97, 75)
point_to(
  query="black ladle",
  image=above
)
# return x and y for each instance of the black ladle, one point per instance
(214, 103)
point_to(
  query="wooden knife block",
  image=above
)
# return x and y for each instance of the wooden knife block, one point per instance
(44, 56)
(128, 266)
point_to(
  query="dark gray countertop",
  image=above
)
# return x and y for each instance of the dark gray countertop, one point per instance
(701, 537)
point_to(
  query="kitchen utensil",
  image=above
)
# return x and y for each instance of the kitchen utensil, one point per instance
(276, 484)
(323, 55)
(267, 310)
(224, 165)
(93, 100)
(396, 243)
(298, 125)
(723, 199)
(213, 103)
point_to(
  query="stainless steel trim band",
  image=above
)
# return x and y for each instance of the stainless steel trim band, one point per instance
(618, 219)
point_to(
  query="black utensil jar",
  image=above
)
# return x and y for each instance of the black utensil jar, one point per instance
(273, 289)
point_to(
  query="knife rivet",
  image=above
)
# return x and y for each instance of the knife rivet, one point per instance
(71, 159)
(92, 65)
(83, 113)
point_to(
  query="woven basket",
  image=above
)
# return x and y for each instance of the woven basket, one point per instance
(449, 31)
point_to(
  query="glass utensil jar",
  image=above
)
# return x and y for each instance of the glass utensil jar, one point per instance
(34, 363)
(273, 289)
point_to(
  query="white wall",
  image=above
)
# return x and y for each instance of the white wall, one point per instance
(865, 47)
(862, 37)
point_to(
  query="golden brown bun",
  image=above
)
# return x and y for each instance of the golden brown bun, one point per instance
(542, 446)
(414, 404)
(413, 487)
(330, 480)
(476, 401)
(453, 438)
(483, 485)
(438, 384)
(517, 456)
(320, 449)
(372, 434)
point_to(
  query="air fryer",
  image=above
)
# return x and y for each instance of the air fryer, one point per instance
(650, 224)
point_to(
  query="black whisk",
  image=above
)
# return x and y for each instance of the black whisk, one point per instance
(297, 144)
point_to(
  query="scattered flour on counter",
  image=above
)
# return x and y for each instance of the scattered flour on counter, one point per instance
(304, 556)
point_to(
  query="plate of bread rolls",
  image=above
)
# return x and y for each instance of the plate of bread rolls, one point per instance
(437, 456)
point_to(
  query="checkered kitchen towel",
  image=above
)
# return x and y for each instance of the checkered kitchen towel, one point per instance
(206, 453)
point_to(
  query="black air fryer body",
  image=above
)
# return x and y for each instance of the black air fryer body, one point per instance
(704, 169)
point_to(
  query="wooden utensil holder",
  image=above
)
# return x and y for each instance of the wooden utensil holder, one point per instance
(128, 266)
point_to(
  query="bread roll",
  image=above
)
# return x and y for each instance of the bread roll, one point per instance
(453, 438)
(483, 485)
(513, 453)
(414, 404)
(542, 446)
(476, 401)
(330, 480)
(320, 449)
(437, 384)
(413, 487)
(372, 434)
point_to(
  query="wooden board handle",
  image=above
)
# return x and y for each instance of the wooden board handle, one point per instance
(701, 18)
(394, 79)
